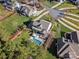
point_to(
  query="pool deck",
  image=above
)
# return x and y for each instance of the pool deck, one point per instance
(47, 43)
(37, 40)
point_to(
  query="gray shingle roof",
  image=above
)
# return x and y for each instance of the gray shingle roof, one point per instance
(41, 24)
(73, 46)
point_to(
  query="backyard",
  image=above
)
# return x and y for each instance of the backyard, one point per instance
(23, 46)
(10, 24)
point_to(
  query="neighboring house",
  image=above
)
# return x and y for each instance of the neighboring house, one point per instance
(68, 47)
(7, 4)
(22, 9)
(35, 6)
(75, 2)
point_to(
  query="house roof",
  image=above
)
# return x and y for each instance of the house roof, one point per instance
(60, 44)
(73, 45)
(24, 10)
(75, 37)
(74, 48)
(42, 25)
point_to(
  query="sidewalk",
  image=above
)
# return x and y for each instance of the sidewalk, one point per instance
(47, 12)
(61, 22)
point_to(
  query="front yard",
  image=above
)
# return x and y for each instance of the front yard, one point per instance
(65, 4)
(74, 11)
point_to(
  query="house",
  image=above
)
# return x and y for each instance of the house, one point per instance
(68, 46)
(41, 29)
(7, 4)
(41, 26)
(22, 9)
(34, 5)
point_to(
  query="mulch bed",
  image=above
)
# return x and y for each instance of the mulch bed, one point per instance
(13, 37)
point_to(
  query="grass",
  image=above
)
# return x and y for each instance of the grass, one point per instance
(2, 11)
(10, 24)
(74, 11)
(73, 17)
(66, 4)
(49, 4)
(74, 22)
(64, 29)
(60, 29)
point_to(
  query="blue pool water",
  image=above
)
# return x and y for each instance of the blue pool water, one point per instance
(37, 40)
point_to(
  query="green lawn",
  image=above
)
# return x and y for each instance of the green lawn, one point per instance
(66, 4)
(74, 11)
(1, 9)
(10, 24)
(49, 4)
(74, 22)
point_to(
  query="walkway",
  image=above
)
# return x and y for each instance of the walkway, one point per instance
(70, 23)
(47, 12)
(66, 25)
(72, 14)
(77, 20)
(13, 37)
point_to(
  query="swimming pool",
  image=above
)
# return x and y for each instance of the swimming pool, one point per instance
(38, 41)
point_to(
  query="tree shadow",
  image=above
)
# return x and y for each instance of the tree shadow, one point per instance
(53, 48)
(28, 23)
